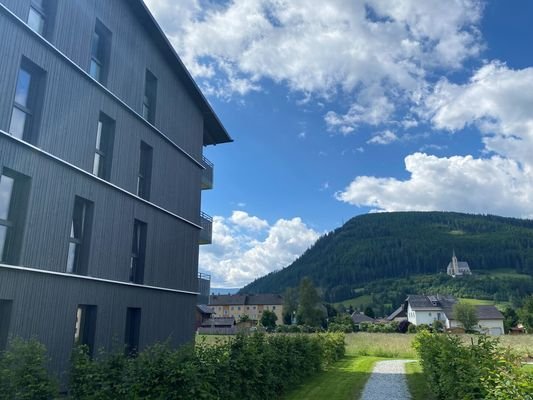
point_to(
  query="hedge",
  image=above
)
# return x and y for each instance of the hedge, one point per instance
(479, 370)
(250, 367)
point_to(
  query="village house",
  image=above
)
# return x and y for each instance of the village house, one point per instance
(250, 305)
(421, 309)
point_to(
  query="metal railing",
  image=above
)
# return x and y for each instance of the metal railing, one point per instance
(206, 234)
(207, 174)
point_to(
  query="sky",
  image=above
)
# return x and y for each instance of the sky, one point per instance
(346, 107)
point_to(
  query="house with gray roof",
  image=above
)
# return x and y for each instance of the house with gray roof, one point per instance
(422, 309)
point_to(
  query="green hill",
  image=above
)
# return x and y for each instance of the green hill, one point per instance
(377, 247)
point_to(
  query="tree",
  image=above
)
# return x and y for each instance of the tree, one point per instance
(510, 318)
(369, 312)
(309, 311)
(290, 304)
(244, 318)
(268, 319)
(466, 314)
(526, 314)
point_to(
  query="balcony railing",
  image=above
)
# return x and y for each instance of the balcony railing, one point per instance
(207, 174)
(206, 234)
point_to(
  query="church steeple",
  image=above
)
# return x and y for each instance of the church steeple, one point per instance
(455, 264)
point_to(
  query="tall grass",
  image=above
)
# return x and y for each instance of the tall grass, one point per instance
(387, 345)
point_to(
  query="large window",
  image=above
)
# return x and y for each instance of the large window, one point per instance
(100, 53)
(80, 234)
(26, 105)
(39, 16)
(85, 328)
(138, 250)
(13, 200)
(145, 171)
(132, 331)
(105, 136)
(150, 96)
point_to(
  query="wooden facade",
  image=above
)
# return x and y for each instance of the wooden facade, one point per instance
(58, 162)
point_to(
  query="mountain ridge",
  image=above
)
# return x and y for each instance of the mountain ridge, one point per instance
(380, 246)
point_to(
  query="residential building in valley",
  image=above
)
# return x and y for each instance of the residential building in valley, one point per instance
(251, 305)
(102, 131)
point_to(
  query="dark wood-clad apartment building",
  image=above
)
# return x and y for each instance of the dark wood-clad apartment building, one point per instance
(102, 131)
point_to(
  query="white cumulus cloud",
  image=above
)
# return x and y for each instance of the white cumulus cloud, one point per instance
(493, 185)
(246, 247)
(498, 101)
(377, 52)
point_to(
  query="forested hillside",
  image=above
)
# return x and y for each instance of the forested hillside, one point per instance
(402, 244)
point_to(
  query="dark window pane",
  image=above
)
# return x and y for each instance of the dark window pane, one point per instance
(97, 43)
(18, 123)
(6, 191)
(23, 87)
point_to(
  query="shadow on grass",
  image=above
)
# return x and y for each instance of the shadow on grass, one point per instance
(417, 383)
(343, 381)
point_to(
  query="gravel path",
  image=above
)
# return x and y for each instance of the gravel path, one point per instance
(387, 382)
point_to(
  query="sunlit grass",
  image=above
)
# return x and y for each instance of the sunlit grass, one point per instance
(345, 380)
(389, 345)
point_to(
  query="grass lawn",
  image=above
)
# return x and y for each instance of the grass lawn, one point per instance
(356, 302)
(387, 345)
(343, 381)
(417, 382)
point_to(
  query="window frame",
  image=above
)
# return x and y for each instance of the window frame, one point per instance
(138, 252)
(144, 175)
(149, 102)
(32, 108)
(80, 262)
(105, 138)
(16, 216)
(102, 55)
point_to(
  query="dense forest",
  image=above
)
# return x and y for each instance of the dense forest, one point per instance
(379, 246)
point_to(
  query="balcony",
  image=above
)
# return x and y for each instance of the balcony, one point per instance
(206, 222)
(207, 174)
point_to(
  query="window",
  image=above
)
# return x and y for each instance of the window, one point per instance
(133, 327)
(85, 326)
(28, 95)
(39, 17)
(138, 249)
(80, 234)
(100, 52)
(5, 320)
(105, 137)
(145, 171)
(14, 190)
(150, 96)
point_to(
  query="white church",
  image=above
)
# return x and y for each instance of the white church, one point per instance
(458, 268)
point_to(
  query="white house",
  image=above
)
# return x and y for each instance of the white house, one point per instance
(421, 309)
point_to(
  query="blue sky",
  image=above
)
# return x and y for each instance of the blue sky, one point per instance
(346, 107)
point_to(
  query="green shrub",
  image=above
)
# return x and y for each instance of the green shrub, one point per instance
(248, 367)
(479, 370)
(411, 328)
(23, 373)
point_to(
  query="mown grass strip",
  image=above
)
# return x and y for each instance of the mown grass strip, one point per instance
(344, 380)
(416, 382)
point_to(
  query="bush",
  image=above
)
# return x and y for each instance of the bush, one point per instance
(411, 328)
(250, 367)
(23, 373)
(481, 370)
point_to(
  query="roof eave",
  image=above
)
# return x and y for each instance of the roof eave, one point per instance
(217, 132)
